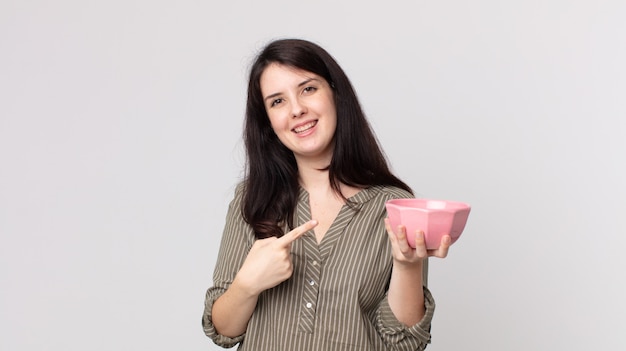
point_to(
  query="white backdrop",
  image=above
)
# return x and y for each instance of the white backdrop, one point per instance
(120, 125)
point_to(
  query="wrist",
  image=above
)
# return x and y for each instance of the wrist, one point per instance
(243, 288)
(409, 267)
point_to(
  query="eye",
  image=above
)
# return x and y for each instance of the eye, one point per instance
(276, 102)
(309, 89)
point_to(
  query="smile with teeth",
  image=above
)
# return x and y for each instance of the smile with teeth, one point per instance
(305, 127)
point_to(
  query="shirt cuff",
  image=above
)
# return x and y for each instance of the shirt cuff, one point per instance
(207, 321)
(395, 331)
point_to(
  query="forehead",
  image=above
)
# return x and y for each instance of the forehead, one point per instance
(276, 78)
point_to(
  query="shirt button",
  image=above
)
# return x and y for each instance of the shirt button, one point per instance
(309, 305)
(315, 263)
(311, 282)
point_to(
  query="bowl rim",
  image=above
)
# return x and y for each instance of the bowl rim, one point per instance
(402, 203)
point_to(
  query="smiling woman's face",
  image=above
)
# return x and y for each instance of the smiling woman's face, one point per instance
(301, 109)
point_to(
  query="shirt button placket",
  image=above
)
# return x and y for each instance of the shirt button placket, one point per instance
(311, 290)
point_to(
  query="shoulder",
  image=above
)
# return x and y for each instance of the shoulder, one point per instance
(391, 192)
(396, 193)
(237, 197)
(379, 194)
(239, 187)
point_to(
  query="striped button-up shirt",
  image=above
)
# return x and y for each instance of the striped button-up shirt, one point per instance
(336, 298)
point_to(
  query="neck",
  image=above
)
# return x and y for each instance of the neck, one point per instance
(313, 176)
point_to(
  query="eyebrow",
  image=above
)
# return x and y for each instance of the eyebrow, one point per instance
(271, 96)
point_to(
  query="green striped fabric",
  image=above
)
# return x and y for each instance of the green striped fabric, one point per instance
(336, 298)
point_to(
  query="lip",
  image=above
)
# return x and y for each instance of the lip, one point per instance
(312, 123)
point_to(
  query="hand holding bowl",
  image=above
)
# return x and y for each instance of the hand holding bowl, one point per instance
(434, 217)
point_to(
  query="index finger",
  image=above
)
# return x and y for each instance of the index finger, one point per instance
(297, 232)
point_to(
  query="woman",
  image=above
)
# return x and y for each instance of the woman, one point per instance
(308, 260)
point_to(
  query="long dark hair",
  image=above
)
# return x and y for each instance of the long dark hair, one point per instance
(271, 180)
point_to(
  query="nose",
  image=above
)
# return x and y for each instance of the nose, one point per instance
(297, 108)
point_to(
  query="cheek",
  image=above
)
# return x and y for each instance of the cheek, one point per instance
(331, 109)
(272, 118)
(276, 122)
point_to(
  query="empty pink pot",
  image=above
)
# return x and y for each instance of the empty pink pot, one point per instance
(434, 217)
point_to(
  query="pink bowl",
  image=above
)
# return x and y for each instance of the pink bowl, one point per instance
(434, 217)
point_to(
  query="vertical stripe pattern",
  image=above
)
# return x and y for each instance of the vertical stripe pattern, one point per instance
(336, 298)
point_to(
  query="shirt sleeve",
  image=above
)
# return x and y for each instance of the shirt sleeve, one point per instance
(395, 333)
(237, 239)
(207, 322)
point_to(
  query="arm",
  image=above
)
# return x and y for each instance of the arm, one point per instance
(238, 278)
(406, 288)
(267, 264)
(232, 311)
(406, 296)
(236, 241)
